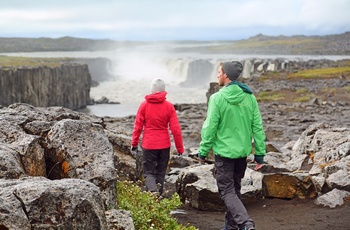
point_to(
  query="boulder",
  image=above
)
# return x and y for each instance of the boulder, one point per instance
(288, 186)
(333, 198)
(40, 203)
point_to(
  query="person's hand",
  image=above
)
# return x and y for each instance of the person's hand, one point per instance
(133, 150)
(179, 154)
(201, 158)
(259, 162)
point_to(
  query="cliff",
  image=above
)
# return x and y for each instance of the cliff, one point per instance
(67, 85)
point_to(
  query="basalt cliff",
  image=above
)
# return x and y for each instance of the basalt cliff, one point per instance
(67, 85)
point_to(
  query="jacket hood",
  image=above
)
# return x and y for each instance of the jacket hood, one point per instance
(233, 94)
(158, 97)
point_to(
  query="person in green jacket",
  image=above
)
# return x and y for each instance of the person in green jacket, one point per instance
(233, 121)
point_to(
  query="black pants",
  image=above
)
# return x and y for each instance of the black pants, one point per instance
(155, 163)
(229, 173)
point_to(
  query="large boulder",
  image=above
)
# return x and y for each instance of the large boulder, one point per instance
(39, 203)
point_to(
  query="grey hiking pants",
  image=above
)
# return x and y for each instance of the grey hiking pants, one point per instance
(155, 163)
(229, 173)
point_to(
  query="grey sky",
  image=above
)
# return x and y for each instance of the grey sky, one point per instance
(172, 20)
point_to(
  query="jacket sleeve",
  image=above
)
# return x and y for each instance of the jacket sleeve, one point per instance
(138, 125)
(176, 130)
(209, 127)
(258, 131)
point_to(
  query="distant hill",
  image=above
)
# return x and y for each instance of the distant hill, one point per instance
(295, 45)
(9, 45)
(338, 44)
(283, 45)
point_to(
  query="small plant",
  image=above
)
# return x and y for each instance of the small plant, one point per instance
(147, 210)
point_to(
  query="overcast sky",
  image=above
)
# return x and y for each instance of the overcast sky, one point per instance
(172, 20)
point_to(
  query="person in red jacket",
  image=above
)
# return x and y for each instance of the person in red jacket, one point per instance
(154, 117)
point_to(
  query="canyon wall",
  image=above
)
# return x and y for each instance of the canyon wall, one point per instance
(67, 85)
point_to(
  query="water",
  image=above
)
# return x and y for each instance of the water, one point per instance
(134, 69)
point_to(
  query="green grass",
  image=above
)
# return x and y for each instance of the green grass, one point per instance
(302, 91)
(304, 98)
(269, 96)
(321, 73)
(10, 62)
(147, 210)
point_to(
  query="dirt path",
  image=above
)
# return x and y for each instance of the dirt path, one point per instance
(277, 214)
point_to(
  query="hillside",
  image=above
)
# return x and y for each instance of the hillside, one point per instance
(9, 45)
(338, 44)
(283, 45)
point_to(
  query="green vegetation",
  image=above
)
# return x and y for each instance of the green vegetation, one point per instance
(147, 210)
(11, 62)
(329, 90)
(269, 96)
(347, 89)
(303, 95)
(302, 91)
(321, 73)
(304, 98)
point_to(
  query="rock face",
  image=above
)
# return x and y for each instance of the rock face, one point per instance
(68, 86)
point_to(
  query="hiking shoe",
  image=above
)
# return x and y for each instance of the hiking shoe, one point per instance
(247, 228)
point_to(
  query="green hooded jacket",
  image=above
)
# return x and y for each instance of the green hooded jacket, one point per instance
(233, 120)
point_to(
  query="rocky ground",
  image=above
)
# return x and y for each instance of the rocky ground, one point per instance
(276, 213)
(284, 121)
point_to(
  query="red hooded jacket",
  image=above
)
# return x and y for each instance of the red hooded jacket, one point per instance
(155, 116)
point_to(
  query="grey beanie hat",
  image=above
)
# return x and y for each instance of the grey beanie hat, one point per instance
(232, 69)
(157, 85)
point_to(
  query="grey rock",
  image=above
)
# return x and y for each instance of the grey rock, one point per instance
(39, 203)
(333, 198)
